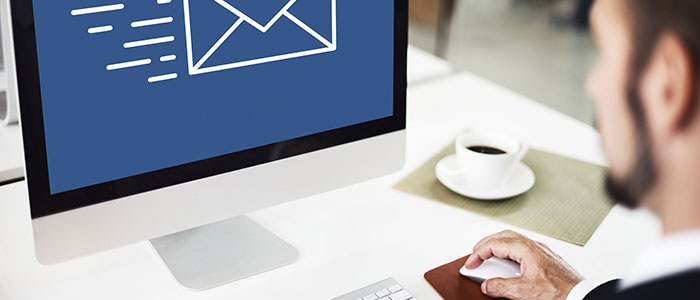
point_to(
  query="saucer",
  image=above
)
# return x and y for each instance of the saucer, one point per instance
(520, 181)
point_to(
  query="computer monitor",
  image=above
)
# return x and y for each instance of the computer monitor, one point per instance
(149, 119)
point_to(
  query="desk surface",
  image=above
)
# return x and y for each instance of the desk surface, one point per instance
(423, 66)
(353, 236)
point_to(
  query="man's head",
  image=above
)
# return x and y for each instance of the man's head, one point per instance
(645, 85)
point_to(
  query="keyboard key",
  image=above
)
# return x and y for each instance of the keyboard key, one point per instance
(395, 288)
(387, 289)
(382, 293)
(401, 295)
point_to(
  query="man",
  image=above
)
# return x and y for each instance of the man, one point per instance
(646, 85)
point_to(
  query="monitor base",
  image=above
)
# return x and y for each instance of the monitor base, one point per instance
(222, 252)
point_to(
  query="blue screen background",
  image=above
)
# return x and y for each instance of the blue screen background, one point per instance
(106, 125)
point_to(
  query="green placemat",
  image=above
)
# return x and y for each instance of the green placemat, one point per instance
(568, 201)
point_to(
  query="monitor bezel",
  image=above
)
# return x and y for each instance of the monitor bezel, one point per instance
(43, 203)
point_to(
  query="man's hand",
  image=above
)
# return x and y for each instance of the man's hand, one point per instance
(545, 275)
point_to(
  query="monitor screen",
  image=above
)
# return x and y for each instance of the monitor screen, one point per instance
(134, 95)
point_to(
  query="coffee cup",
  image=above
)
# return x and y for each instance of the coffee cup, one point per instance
(487, 158)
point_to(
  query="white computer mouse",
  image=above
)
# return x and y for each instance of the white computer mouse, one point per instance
(492, 268)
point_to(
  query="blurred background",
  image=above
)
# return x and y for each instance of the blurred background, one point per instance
(541, 49)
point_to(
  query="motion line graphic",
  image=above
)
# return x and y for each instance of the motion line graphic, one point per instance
(109, 12)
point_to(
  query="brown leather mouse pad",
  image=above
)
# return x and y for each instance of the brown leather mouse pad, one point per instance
(451, 285)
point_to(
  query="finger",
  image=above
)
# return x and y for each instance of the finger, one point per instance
(474, 261)
(502, 234)
(503, 288)
(507, 248)
(543, 245)
(481, 253)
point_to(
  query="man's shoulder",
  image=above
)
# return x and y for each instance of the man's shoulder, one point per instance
(685, 285)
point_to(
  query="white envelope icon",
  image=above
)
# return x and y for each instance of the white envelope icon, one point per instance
(250, 27)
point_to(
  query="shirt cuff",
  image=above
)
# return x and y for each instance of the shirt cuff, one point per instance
(583, 288)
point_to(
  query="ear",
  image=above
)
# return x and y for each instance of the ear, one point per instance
(668, 87)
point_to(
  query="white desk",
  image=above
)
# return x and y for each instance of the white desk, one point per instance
(422, 67)
(350, 237)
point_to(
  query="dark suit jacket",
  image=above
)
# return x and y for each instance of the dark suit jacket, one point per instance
(681, 286)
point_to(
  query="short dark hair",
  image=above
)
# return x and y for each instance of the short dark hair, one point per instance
(649, 20)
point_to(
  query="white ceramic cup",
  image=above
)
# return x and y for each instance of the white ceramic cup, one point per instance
(488, 170)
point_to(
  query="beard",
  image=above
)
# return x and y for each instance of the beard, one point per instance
(630, 190)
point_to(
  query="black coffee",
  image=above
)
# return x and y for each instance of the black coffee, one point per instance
(486, 150)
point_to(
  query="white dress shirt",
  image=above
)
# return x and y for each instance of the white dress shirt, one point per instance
(654, 262)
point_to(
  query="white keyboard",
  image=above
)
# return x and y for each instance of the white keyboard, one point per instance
(387, 289)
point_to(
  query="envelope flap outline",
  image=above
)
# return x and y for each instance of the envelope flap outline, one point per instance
(250, 20)
(196, 65)
(261, 11)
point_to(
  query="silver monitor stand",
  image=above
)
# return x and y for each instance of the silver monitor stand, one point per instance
(222, 252)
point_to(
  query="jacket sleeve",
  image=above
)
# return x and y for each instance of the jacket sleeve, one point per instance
(604, 291)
